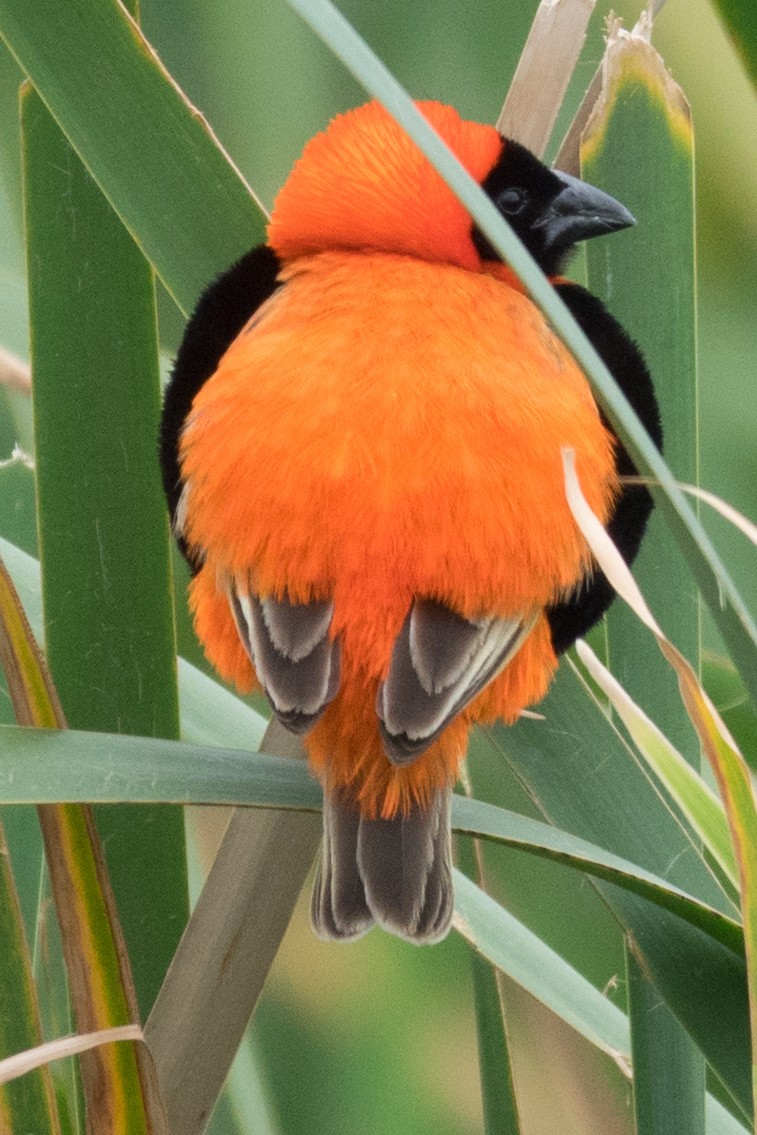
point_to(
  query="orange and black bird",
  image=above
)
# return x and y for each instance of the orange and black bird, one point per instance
(361, 449)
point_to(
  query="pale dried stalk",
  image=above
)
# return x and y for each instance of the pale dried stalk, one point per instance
(544, 71)
(227, 949)
(22, 1062)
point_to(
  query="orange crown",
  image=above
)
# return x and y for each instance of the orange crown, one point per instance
(363, 184)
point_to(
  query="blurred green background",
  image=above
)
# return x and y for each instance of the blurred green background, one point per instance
(379, 1036)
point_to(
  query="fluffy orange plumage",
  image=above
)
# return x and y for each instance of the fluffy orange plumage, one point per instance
(388, 425)
(414, 473)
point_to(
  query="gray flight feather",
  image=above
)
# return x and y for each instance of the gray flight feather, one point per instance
(296, 629)
(296, 662)
(397, 873)
(442, 644)
(439, 663)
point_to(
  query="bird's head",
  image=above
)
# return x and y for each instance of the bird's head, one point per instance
(363, 184)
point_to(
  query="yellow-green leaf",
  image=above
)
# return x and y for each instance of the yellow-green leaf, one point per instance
(122, 1096)
(695, 799)
(638, 146)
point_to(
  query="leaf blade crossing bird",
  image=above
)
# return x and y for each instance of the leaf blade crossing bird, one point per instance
(361, 454)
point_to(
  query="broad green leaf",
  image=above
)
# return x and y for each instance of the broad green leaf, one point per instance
(71, 234)
(638, 146)
(211, 715)
(101, 514)
(693, 796)
(510, 946)
(149, 150)
(498, 1090)
(495, 1069)
(481, 819)
(737, 792)
(37, 766)
(516, 951)
(613, 803)
(703, 985)
(668, 1092)
(594, 787)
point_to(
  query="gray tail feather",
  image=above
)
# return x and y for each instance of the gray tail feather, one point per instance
(397, 873)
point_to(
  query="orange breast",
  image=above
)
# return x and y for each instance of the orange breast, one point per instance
(387, 427)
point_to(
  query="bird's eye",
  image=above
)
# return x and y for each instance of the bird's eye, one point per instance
(512, 201)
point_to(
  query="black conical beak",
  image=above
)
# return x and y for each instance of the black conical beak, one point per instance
(580, 211)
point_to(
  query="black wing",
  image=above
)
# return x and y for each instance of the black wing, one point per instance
(221, 313)
(578, 614)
